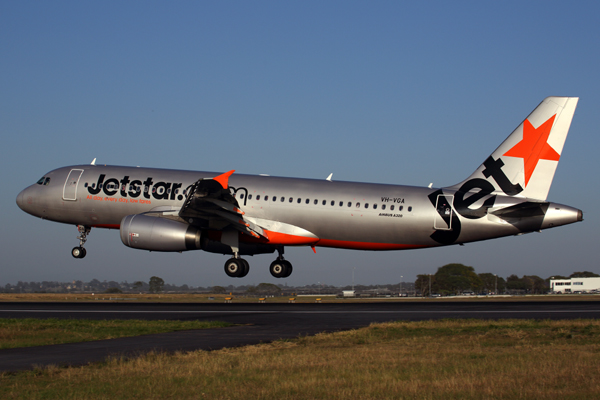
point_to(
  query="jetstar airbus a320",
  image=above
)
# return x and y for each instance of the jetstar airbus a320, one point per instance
(174, 211)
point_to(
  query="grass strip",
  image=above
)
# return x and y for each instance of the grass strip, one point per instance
(29, 332)
(447, 359)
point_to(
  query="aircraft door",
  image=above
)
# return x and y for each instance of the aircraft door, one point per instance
(443, 217)
(70, 189)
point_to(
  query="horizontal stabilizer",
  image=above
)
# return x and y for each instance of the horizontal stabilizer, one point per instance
(522, 210)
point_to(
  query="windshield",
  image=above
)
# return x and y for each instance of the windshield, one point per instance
(43, 181)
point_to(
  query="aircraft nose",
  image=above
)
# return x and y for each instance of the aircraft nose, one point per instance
(25, 200)
(20, 199)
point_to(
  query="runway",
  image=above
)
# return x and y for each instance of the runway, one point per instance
(257, 323)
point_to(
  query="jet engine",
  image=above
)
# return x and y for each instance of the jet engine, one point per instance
(145, 232)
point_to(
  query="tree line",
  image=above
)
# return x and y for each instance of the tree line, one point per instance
(453, 279)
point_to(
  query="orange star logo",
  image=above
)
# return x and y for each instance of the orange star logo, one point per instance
(534, 146)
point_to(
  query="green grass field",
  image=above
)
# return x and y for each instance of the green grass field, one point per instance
(447, 359)
(39, 332)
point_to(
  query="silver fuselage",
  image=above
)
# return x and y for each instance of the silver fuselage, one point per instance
(351, 215)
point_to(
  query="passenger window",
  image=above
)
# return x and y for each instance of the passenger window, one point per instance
(324, 202)
(400, 208)
(333, 202)
(366, 205)
(249, 197)
(316, 201)
(349, 204)
(241, 195)
(299, 200)
(275, 198)
(392, 207)
(266, 198)
(357, 205)
(307, 201)
(258, 197)
(282, 199)
(374, 206)
(291, 199)
(409, 209)
(341, 203)
(383, 206)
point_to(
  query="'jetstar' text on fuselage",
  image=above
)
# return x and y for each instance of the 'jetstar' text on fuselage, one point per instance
(133, 188)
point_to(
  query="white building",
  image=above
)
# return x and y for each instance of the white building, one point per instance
(575, 285)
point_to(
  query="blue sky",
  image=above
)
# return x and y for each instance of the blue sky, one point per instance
(382, 91)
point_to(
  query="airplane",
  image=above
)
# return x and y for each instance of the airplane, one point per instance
(174, 211)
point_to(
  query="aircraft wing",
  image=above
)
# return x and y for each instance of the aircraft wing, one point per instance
(211, 205)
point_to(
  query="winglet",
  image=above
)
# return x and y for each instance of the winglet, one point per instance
(223, 179)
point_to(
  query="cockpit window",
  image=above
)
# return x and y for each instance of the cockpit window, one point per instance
(41, 181)
(46, 181)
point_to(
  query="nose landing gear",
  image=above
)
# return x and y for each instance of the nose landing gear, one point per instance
(80, 252)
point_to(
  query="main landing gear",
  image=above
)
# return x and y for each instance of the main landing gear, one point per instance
(237, 267)
(280, 268)
(80, 252)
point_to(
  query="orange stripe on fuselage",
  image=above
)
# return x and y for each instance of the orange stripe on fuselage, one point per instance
(347, 244)
(106, 226)
(277, 238)
(282, 239)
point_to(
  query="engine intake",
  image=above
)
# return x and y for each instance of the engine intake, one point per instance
(145, 232)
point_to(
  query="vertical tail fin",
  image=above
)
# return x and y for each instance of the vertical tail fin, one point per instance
(525, 163)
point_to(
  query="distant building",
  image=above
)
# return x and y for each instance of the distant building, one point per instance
(575, 285)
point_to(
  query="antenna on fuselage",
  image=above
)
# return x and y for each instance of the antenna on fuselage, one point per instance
(430, 185)
(329, 177)
(93, 162)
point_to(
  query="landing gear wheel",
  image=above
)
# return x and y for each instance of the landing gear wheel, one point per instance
(280, 268)
(78, 252)
(235, 267)
(246, 268)
(289, 268)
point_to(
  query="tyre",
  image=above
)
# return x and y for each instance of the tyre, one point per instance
(278, 269)
(234, 267)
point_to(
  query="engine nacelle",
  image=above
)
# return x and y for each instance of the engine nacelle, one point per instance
(158, 234)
